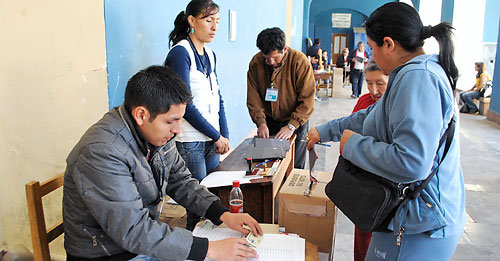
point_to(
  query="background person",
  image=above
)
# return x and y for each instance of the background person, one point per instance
(343, 62)
(204, 134)
(326, 61)
(120, 170)
(280, 91)
(400, 142)
(358, 59)
(467, 97)
(377, 83)
(314, 52)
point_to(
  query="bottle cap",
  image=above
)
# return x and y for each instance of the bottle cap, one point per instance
(236, 183)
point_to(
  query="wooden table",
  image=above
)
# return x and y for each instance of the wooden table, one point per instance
(318, 76)
(259, 196)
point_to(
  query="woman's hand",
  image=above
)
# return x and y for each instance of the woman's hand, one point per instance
(230, 249)
(222, 145)
(346, 135)
(312, 138)
(235, 221)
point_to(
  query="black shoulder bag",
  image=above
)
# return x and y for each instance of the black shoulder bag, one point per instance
(371, 201)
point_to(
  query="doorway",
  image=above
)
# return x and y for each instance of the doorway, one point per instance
(339, 42)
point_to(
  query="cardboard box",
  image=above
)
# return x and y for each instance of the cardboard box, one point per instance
(337, 79)
(312, 217)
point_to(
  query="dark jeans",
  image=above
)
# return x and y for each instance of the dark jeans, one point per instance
(467, 98)
(300, 147)
(357, 79)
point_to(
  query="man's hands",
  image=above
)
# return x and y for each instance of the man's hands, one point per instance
(222, 145)
(284, 133)
(263, 131)
(235, 248)
(230, 249)
(235, 221)
(312, 138)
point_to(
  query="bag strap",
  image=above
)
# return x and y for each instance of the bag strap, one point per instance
(448, 137)
(414, 192)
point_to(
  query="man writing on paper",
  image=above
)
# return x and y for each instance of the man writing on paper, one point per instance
(280, 91)
(121, 168)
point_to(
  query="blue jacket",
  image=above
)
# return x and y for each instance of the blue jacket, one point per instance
(401, 145)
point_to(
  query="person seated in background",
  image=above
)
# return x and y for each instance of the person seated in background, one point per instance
(122, 168)
(314, 53)
(377, 83)
(326, 61)
(343, 62)
(475, 92)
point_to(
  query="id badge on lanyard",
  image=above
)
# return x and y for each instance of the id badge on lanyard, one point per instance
(271, 94)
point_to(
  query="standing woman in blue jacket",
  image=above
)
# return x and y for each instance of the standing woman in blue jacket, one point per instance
(204, 133)
(400, 142)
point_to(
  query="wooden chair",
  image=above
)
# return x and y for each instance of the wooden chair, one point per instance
(40, 235)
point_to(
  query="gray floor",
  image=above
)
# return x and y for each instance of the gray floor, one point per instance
(480, 157)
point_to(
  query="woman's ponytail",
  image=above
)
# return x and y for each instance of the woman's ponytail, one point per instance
(443, 33)
(195, 8)
(181, 29)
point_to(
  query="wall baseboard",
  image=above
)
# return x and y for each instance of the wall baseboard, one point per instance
(492, 116)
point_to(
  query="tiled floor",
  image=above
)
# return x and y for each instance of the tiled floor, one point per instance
(480, 158)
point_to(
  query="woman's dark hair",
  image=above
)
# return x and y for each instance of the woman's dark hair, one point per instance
(156, 88)
(195, 8)
(271, 39)
(482, 68)
(402, 23)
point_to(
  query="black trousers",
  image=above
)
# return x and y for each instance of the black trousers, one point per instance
(300, 147)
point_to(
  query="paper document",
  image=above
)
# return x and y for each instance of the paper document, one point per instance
(224, 178)
(273, 247)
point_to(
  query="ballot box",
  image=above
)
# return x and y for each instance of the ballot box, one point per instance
(311, 216)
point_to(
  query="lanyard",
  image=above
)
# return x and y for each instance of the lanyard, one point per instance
(276, 76)
(197, 55)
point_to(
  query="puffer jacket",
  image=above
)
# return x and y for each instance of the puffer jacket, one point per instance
(111, 194)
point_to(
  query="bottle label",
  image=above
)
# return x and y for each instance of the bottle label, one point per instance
(236, 206)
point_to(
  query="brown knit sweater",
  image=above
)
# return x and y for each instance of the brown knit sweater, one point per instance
(295, 84)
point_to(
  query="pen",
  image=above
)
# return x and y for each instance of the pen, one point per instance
(319, 143)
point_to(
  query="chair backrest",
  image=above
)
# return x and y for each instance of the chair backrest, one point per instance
(40, 235)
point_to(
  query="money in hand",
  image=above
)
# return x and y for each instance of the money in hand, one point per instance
(253, 239)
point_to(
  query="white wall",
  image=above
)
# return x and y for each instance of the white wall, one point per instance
(430, 13)
(53, 87)
(468, 20)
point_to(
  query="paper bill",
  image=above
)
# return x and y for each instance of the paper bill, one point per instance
(253, 239)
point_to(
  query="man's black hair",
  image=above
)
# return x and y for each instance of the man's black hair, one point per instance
(317, 41)
(270, 40)
(156, 88)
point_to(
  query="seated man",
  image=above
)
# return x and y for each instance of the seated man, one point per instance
(121, 169)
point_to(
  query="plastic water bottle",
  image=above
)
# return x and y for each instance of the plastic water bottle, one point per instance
(236, 198)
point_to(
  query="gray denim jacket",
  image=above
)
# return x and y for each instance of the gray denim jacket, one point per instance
(110, 194)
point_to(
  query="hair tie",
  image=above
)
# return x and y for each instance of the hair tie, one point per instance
(426, 32)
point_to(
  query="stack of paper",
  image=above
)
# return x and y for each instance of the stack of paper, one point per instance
(273, 247)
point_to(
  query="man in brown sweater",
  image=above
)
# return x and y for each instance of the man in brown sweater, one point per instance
(280, 94)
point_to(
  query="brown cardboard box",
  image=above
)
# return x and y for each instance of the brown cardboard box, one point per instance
(312, 217)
